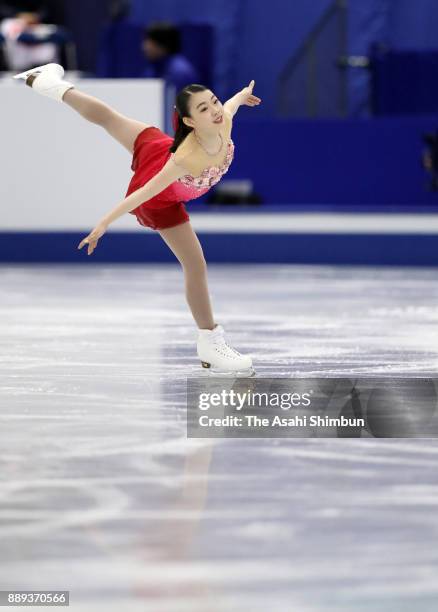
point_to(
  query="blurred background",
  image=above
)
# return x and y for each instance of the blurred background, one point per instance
(348, 123)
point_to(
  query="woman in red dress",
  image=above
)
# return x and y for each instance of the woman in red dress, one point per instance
(167, 173)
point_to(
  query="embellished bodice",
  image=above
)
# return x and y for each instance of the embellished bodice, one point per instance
(195, 186)
(151, 154)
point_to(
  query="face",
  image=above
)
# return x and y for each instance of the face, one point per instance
(204, 108)
(153, 50)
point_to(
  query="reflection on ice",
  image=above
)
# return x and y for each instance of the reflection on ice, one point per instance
(103, 495)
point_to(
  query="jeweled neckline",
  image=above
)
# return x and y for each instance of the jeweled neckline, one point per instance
(206, 170)
(204, 149)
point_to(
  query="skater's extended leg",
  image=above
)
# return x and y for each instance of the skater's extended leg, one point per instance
(123, 129)
(47, 80)
(186, 247)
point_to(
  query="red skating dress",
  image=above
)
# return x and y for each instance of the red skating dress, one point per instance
(167, 209)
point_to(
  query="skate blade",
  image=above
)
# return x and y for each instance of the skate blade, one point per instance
(24, 75)
(248, 373)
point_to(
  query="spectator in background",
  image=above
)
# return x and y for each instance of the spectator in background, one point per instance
(49, 11)
(162, 46)
(28, 32)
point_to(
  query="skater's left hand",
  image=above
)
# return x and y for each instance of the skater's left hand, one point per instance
(248, 99)
(93, 237)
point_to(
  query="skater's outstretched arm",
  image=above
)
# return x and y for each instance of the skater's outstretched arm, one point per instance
(167, 175)
(243, 97)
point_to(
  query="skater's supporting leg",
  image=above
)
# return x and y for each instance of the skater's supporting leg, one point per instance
(123, 129)
(186, 247)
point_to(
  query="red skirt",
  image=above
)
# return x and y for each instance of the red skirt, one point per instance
(151, 153)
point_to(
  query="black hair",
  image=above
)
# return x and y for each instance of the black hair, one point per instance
(165, 34)
(182, 109)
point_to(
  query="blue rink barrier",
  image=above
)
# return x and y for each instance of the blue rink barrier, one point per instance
(306, 237)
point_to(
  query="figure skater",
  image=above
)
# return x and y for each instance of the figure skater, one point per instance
(167, 173)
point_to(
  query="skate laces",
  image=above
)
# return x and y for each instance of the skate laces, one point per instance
(220, 342)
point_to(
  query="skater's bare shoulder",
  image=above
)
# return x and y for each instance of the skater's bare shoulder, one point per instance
(184, 155)
(229, 116)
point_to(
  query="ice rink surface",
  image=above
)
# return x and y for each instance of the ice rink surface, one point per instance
(103, 495)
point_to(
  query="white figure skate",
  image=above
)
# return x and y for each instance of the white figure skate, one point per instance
(48, 80)
(219, 358)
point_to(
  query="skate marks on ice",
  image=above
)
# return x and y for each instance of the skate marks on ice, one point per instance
(102, 494)
(294, 320)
